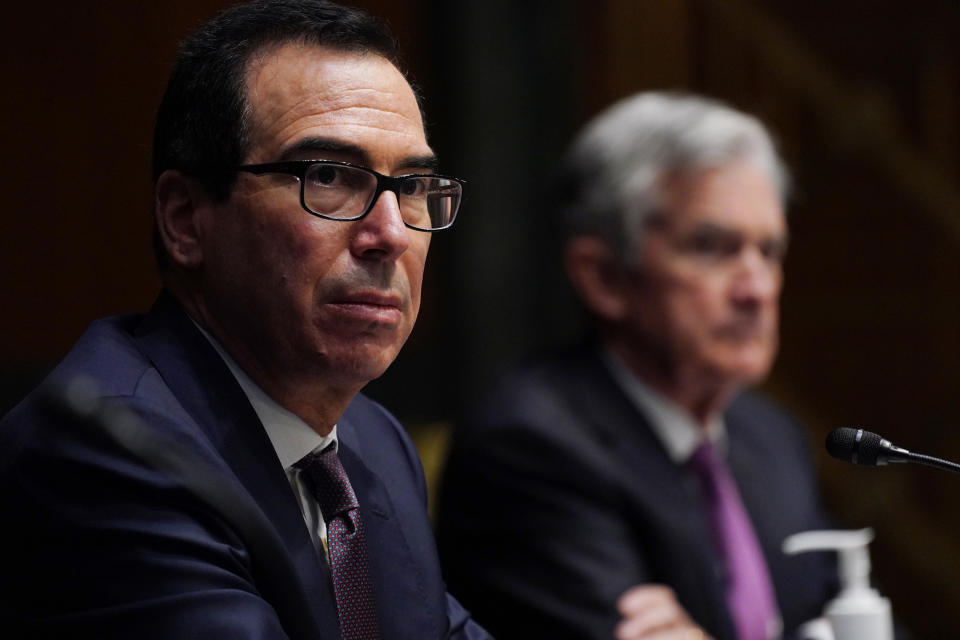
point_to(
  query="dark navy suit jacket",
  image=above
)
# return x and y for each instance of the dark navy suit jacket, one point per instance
(558, 497)
(184, 525)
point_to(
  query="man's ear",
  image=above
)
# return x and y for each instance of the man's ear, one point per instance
(178, 206)
(597, 277)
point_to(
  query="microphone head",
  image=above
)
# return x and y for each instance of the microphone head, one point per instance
(855, 445)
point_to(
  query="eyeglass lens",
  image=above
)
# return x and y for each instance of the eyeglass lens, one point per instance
(346, 192)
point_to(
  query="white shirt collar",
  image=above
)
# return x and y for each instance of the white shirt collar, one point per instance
(292, 438)
(676, 429)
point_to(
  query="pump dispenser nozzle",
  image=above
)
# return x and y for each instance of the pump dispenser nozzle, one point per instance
(858, 612)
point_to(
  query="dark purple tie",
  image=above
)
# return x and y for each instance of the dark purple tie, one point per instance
(346, 544)
(750, 595)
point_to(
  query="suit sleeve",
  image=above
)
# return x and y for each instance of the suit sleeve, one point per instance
(540, 547)
(105, 546)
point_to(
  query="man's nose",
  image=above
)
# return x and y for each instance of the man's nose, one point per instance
(758, 279)
(382, 233)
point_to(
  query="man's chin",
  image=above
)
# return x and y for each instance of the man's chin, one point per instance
(748, 373)
(364, 365)
(744, 367)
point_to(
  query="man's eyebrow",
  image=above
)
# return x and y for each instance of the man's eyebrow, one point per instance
(352, 153)
(713, 227)
(720, 229)
(324, 146)
(427, 162)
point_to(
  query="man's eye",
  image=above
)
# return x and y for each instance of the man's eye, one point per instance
(773, 250)
(713, 245)
(413, 187)
(324, 175)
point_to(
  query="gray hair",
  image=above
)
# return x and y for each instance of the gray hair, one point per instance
(611, 177)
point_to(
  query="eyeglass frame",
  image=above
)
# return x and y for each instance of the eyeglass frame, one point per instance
(298, 169)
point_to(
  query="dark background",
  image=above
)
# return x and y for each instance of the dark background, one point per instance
(864, 98)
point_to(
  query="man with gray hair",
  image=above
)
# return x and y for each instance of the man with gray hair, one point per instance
(631, 487)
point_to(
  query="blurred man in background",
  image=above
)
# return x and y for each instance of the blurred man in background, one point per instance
(631, 487)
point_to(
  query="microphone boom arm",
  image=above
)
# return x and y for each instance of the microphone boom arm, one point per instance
(930, 461)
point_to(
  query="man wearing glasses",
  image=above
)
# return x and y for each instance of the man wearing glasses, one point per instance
(211, 470)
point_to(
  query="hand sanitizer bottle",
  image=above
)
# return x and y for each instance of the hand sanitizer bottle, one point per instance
(858, 612)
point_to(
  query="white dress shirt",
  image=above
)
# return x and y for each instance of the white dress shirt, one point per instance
(673, 425)
(292, 439)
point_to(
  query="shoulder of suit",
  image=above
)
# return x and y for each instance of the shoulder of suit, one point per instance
(751, 411)
(545, 405)
(548, 374)
(365, 409)
(372, 427)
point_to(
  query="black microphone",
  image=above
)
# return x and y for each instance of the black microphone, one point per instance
(858, 446)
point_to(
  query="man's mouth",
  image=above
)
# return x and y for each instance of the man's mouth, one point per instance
(369, 306)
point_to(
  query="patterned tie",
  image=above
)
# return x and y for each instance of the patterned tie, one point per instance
(346, 544)
(750, 596)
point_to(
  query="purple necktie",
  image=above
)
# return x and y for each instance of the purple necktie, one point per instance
(346, 544)
(750, 596)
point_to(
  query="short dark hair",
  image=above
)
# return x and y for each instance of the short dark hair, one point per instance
(202, 123)
(202, 126)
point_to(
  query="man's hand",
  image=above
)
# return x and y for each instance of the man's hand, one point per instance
(651, 612)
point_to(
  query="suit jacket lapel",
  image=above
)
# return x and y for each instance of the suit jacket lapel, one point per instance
(652, 476)
(198, 377)
(399, 584)
(659, 488)
(627, 431)
(755, 469)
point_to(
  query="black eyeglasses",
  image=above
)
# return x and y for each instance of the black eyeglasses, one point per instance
(344, 191)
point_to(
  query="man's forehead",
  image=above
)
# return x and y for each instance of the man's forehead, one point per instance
(317, 148)
(736, 196)
(765, 228)
(297, 91)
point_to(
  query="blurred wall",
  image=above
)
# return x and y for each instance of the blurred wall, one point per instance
(864, 99)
